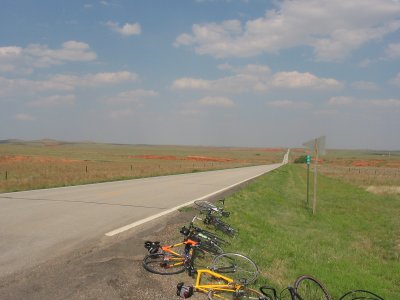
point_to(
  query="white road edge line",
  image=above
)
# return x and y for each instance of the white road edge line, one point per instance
(137, 223)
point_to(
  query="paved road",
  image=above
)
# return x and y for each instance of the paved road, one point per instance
(38, 225)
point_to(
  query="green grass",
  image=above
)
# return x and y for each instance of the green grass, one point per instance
(352, 242)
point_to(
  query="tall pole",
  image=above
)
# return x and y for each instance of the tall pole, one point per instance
(308, 182)
(315, 177)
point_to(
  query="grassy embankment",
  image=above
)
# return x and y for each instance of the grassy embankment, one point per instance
(352, 242)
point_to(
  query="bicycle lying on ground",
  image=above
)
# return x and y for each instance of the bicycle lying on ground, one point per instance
(202, 233)
(205, 206)
(214, 281)
(305, 287)
(176, 258)
(309, 288)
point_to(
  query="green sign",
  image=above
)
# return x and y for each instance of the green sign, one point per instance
(308, 159)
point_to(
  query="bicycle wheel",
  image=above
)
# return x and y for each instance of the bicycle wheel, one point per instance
(239, 267)
(360, 294)
(164, 264)
(242, 294)
(307, 287)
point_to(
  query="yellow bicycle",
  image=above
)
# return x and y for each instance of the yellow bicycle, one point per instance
(217, 284)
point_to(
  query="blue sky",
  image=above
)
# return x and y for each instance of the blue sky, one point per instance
(202, 72)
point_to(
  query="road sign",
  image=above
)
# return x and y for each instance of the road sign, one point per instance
(317, 145)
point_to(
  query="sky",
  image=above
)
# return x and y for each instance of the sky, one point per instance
(246, 73)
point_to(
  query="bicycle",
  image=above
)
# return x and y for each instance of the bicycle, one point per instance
(164, 260)
(305, 287)
(218, 224)
(213, 281)
(202, 233)
(205, 205)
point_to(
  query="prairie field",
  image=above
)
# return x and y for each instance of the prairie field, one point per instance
(376, 171)
(48, 163)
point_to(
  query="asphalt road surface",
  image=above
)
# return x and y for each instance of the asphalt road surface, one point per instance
(36, 226)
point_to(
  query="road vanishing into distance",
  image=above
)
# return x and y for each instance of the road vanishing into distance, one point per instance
(42, 224)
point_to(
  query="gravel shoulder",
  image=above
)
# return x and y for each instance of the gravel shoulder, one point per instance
(107, 269)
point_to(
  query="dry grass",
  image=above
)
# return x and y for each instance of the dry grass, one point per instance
(384, 189)
(376, 171)
(44, 164)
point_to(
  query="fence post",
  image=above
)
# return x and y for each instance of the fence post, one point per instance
(6, 175)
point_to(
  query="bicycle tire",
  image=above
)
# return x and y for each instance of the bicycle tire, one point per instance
(242, 294)
(360, 295)
(240, 268)
(164, 264)
(308, 287)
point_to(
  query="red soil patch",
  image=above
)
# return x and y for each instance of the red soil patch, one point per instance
(299, 150)
(367, 163)
(206, 158)
(36, 159)
(191, 158)
(393, 164)
(154, 157)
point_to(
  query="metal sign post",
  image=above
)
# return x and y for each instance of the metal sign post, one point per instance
(308, 161)
(318, 146)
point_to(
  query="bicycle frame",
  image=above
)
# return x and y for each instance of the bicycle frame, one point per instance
(181, 259)
(228, 284)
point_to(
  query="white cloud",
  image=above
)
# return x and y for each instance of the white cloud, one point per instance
(256, 78)
(396, 80)
(126, 29)
(191, 83)
(133, 96)
(365, 85)
(303, 80)
(95, 80)
(393, 51)
(288, 104)
(54, 101)
(216, 102)
(41, 56)
(25, 117)
(341, 101)
(332, 28)
(16, 87)
(64, 83)
(10, 51)
(395, 103)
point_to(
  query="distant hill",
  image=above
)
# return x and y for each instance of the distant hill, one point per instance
(45, 142)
